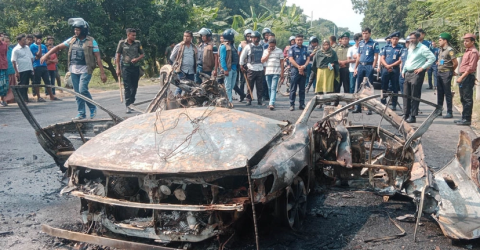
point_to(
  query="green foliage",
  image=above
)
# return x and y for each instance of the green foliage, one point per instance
(384, 16)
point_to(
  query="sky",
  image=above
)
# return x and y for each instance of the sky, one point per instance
(340, 12)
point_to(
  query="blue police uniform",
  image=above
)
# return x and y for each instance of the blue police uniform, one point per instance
(392, 55)
(300, 55)
(432, 72)
(367, 51)
(403, 56)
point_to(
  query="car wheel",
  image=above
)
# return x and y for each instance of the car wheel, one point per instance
(294, 204)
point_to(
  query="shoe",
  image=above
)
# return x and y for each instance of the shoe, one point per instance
(394, 108)
(429, 88)
(383, 101)
(93, 113)
(78, 117)
(301, 107)
(241, 98)
(335, 104)
(40, 100)
(464, 122)
(248, 103)
(448, 115)
(411, 119)
(455, 121)
(129, 110)
(356, 111)
(3, 104)
(369, 112)
(271, 107)
(292, 108)
(260, 103)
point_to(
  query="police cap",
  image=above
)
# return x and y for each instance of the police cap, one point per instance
(345, 34)
(446, 36)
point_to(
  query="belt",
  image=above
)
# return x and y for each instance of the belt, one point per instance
(366, 63)
(410, 71)
(129, 64)
(468, 74)
(445, 70)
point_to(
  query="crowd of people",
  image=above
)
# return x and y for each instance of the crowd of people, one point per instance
(256, 62)
(330, 65)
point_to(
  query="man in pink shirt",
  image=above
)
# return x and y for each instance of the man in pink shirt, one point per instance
(466, 81)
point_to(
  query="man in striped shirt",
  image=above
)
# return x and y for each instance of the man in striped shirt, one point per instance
(273, 60)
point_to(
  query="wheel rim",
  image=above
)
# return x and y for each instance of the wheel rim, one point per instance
(296, 205)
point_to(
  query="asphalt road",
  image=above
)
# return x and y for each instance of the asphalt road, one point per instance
(30, 183)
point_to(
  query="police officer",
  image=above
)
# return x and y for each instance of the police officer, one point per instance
(368, 57)
(131, 52)
(403, 57)
(391, 60)
(83, 57)
(447, 64)
(265, 34)
(207, 62)
(247, 35)
(342, 51)
(299, 59)
(433, 71)
(251, 59)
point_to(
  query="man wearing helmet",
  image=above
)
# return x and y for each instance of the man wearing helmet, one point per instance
(265, 34)
(229, 61)
(83, 57)
(207, 62)
(251, 58)
(291, 41)
(247, 34)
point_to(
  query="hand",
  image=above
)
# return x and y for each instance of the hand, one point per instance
(119, 73)
(225, 72)
(418, 71)
(460, 80)
(134, 60)
(455, 73)
(214, 73)
(17, 75)
(301, 71)
(379, 69)
(43, 59)
(403, 75)
(103, 77)
(355, 72)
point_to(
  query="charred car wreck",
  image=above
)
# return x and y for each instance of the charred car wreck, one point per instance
(188, 174)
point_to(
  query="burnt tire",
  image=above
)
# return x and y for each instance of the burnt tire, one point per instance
(293, 204)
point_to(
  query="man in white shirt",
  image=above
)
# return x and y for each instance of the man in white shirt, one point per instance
(273, 60)
(22, 59)
(352, 56)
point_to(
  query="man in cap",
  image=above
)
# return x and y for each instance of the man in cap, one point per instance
(299, 58)
(367, 58)
(343, 61)
(131, 52)
(446, 63)
(390, 59)
(419, 59)
(251, 60)
(466, 81)
(403, 57)
(207, 62)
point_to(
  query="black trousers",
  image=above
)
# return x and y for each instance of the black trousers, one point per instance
(239, 90)
(131, 75)
(412, 87)
(255, 78)
(297, 80)
(444, 89)
(25, 78)
(466, 96)
(344, 81)
(393, 78)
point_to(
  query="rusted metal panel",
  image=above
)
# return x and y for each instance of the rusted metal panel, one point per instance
(459, 209)
(98, 240)
(190, 140)
(162, 206)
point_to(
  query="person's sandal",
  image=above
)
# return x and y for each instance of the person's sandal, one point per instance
(40, 100)
(271, 107)
(55, 99)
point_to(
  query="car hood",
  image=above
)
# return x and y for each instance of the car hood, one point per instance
(176, 141)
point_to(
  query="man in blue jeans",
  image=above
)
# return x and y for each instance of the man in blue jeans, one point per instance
(229, 60)
(273, 60)
(183, 59)
(83, 51)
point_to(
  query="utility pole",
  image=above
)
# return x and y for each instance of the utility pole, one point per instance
(311, 21)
